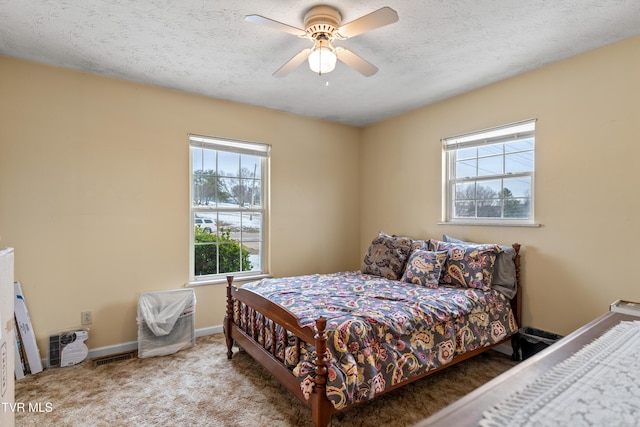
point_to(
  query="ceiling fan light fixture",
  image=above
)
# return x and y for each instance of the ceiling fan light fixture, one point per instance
(322, 59)
(322, 25)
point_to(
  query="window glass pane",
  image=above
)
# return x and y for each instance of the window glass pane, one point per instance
(253, 248)
(228, 163)
(209, 160)
(229, 220)
(205, 253)
(517, 187)
(519, 145)
(197, 190)
(489, 209)
(243, 193)
(251, 222)
(489, 189)
(466, 168)
(519, 162)
(252, 240)
(196, 176)
(467, 153)
(253, 196)
(465, 209)
(490, 150)
(233, 230)
(196, 156)
(517, 207)
(203, 178)
(205, 223)
(250, 166)
(466, 191)
(490, 166)
(228, 192)
(238, 191)
(229, 260)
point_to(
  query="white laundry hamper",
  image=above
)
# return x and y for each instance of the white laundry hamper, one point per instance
(166, 322)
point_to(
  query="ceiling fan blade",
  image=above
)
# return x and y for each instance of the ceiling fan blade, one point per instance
(377, 19)
(275, 25)
(293, 63)
(354, 61)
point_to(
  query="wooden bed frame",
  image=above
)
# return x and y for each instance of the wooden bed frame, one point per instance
(252, 341)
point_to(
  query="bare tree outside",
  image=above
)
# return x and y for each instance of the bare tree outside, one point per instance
(477, 201)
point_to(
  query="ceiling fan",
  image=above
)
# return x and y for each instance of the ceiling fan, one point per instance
(322, 25)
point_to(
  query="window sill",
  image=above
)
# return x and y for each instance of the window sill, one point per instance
(491, 224)
(223, 280)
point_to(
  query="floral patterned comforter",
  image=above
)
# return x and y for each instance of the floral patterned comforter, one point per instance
(381, 332)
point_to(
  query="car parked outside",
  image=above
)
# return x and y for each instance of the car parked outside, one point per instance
(208, 225)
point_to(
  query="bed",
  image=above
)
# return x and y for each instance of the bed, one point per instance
(415, 307)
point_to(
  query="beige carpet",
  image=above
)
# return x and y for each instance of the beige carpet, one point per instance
(200, 387)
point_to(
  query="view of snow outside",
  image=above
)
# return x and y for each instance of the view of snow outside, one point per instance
(239, 176)
(244, 227)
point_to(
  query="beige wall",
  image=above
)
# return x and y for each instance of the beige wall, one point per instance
(94, 193)
(94, 187)
(587, 151)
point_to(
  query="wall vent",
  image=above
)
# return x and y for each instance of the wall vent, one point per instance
(113, 358)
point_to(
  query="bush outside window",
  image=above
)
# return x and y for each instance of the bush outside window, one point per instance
(228, 207)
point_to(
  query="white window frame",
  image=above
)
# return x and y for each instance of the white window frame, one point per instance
(239, 147)
(450, 146)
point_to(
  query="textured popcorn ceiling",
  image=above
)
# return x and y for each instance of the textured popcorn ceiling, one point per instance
(438, 49)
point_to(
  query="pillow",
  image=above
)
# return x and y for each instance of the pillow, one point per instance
(469, 266)
(424, 268)
(504, 270)
(420, 245)
(387, 256)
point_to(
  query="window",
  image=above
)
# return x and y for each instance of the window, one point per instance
(228, 207)
(489, 175)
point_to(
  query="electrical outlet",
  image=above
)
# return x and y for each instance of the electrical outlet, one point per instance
(86, 318)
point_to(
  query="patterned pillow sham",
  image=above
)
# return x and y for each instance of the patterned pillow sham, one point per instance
(467, 266)
(424, 245)
(504, 270)
(424, 267)
(387, 256)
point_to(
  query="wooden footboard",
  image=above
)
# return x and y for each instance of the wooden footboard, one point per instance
(247, 309)
(248, 306)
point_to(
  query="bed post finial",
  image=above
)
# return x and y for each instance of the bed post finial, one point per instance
(319, 413)
(228, 318)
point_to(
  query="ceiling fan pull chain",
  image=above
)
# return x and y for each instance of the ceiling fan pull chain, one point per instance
(320, 60)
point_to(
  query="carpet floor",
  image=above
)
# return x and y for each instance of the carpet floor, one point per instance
(200, 387)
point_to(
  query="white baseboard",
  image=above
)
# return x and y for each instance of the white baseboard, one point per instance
(209, 331)
(133, 345)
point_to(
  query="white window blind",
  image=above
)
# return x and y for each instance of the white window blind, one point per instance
(241, 147)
